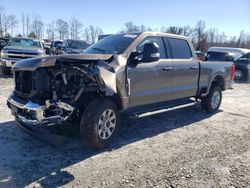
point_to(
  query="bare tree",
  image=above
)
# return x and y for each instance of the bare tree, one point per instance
(13, 23)
(62, 28)
(241, 40)
(27, 25)
(75, 28)
(94, 32)
(174, 30)
(37, 26)
(51, 29)
(2, 14)
(86, 35)
(201, 35)
(211, 36)
(23, 23)
(6, 24)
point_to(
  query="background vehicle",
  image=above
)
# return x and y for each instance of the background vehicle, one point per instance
(55, 46)
(72, 46)
(239, 56)
(20, 48)
(4, 42)
(200, 55)
(139, 74)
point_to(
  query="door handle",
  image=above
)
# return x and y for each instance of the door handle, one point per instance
(167, 68)
(194, 67)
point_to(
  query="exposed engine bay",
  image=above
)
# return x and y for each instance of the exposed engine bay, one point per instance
(50, 95)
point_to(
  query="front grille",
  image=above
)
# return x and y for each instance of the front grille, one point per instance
(18, 57)
(23, 80)
(23, 53)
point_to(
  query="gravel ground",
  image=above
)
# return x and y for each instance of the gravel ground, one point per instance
(183, 148)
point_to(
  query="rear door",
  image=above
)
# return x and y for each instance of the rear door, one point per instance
(151, 82)
(186, 68)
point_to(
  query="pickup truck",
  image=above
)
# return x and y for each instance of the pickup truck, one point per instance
(137, 74)
(17, 49)
(70, 46)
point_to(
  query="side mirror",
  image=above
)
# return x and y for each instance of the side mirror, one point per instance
(151, 52)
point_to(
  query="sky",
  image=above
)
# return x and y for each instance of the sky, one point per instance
(230, 16)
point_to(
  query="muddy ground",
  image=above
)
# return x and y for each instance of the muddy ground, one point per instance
(182, 148)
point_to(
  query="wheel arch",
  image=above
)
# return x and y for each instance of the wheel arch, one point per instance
(218, 80)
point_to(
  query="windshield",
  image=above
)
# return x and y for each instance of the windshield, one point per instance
(114, 44)
(77, 44)
(28, 43)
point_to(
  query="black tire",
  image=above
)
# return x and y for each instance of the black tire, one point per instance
(90, 126)
(5, 71)
(239, 75)
(207, 102)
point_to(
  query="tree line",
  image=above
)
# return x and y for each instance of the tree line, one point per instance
(33, 26)
(201, 36)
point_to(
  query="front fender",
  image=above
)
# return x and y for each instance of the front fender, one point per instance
(109, 79)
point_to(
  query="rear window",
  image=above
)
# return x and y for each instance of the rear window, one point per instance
(180, 48)
(217, 56)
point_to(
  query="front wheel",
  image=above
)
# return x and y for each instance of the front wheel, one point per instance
(100, 123)
(212, 101)
(4, 71)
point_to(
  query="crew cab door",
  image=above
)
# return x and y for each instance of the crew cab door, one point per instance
(150, 82)
(186, 68)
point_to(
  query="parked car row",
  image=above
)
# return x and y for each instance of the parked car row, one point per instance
(19, 48)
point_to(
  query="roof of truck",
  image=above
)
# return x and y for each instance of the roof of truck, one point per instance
(228, 49)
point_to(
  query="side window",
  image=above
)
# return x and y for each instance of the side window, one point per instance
(180, 48)
(158, 40)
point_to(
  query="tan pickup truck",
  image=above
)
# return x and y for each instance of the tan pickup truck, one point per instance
(138, 74)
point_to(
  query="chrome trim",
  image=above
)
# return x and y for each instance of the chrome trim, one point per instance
(19, 55)
(163, 110)
(128, 82)
(39, 111)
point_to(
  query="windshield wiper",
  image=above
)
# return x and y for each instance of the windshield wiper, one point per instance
(100, 49)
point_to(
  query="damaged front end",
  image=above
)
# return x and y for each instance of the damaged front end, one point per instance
(31, 113)
(51, 91)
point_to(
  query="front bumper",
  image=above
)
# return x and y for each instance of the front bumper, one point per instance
(8, 62)
(30, 113)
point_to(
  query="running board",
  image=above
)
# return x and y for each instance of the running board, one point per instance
(141, 115)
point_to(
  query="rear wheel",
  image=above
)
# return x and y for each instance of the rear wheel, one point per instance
(239, 75)
(212, 101)
(100, 123)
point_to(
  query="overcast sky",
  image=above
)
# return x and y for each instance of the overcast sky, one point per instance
(230, 16)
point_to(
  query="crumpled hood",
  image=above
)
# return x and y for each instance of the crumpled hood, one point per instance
(48, 61)
(106, 72)
(22, 49)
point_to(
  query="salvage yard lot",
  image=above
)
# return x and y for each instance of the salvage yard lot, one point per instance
(182, 148)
